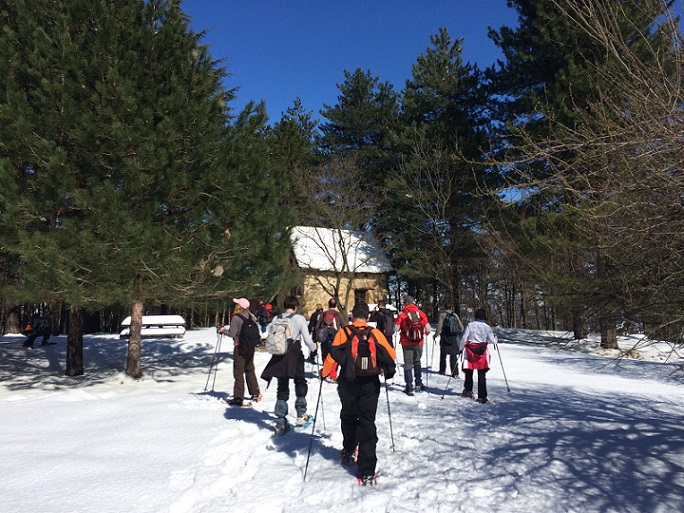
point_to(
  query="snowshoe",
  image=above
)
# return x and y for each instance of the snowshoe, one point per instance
(465, 393)
(281, 429)
(367, 480)
(239, 403)
(304, 422)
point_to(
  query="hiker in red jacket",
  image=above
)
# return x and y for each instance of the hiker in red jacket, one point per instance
(413, 326)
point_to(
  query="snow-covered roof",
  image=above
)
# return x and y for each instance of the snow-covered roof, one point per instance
(324, 249)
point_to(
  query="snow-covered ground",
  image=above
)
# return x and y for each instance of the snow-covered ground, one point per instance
(579, 431)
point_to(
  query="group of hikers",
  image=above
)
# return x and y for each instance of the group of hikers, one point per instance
(353, 355)
(38, 326)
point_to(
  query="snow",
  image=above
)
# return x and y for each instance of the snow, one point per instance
(580, 431)
(326, 249)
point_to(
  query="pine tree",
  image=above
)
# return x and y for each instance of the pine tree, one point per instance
(435, 192)
(114, 174)
(292, 142)
(359, 125)
(259, 226)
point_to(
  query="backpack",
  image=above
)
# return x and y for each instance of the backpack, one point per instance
(387, 321)
(450, 326)
(279, 337)
(415, 328)
(326, 333)
(250, 334)
(263, 315)
(363, 351)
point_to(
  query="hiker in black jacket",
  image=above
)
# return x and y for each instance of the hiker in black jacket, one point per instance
(449, 329)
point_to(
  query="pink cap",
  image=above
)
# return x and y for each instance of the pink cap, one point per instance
(243, 302)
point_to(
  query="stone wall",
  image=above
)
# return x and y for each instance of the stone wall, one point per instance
(311, 292)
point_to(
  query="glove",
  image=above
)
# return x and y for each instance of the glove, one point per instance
(388, 373)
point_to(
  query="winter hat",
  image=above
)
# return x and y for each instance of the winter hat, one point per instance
(243, 302)
(408, 300)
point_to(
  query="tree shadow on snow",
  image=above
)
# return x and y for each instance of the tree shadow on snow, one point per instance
(574, 451)
(104, 357)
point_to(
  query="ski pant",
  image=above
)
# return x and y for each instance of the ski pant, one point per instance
(359, 400)
(412, 357)
(283, 393)
(481, 382)
(452, 352)
(243, 369)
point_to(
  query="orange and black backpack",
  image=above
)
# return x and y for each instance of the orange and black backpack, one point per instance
(364, 350)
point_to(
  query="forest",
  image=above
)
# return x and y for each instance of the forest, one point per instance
(547, 188)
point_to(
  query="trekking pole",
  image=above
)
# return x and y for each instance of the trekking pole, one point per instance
(218, 358)
(502, 367)
(389, 413)
(451, 375)
(219, 336)
(313, 429)
(447, 386)
(319, 365)
(434, 343)
(427, 360)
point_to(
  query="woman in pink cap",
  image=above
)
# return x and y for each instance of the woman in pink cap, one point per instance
(243, 354)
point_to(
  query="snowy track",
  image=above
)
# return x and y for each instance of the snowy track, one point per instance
(577, 433)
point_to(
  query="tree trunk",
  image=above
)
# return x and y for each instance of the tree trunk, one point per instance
(12, 321)
(578, 325)
(608, 332)
(133, 362)
(74, 353)
(523, 306)
(456, 289)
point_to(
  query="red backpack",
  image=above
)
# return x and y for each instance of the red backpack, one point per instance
(415, 327)
(326, 333)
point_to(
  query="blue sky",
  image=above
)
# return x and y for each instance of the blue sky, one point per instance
(281, 50)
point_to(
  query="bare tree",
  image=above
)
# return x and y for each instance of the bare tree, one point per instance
(622, 188)
(338, 201)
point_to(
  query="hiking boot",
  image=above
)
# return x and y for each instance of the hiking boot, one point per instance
(257, 397)
(281, 429)
(367, 480)
(465, 393)
(236, 401)
(303, 419)
(348, 458)
(419, 388)
(408, 391)
(483, 400)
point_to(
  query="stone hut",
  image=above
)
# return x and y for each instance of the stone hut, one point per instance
(326, 256)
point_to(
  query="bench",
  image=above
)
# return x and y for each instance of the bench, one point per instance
(156, 326)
